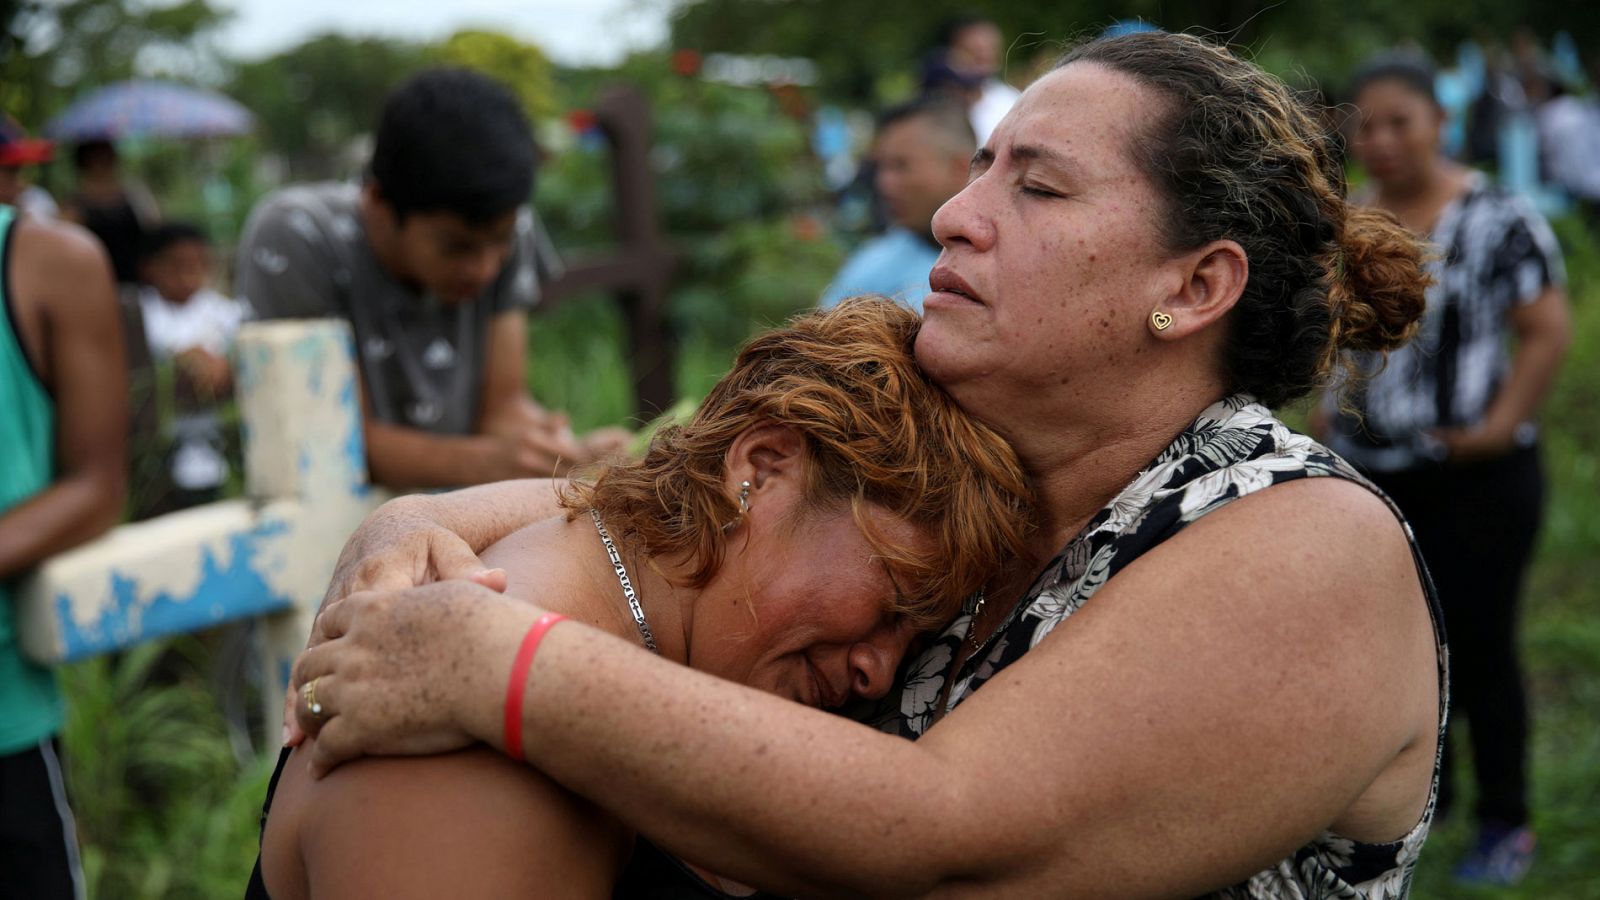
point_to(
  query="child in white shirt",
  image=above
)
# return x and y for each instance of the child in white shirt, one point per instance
(189, 323)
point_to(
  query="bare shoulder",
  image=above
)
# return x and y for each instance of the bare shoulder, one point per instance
(527, 539)
(1326, 557)
(58, 265)
(1338, 586)
(53, 244)
(538, 561)
(62, 293)
(1330, 526)
(1318, 575)
(1316, 503)
(469, 823)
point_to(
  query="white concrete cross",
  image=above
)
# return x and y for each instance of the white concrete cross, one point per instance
(269, 555)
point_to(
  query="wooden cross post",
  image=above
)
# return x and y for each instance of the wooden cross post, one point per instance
(641, 268)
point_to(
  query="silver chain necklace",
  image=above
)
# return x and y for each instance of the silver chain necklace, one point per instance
(627, 585)
(973, 636)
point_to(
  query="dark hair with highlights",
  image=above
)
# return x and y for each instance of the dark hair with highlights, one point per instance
(1237, 156)
(877, 431)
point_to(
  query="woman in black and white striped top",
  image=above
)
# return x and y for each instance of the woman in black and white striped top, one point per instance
(1446, 427)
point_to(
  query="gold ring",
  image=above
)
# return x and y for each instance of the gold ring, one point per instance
(312, 706)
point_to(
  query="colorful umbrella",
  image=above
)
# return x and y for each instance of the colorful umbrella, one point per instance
(149, 108)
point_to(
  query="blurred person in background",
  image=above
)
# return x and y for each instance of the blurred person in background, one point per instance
(1569, 138)
(63, 436)
(973, 44)
(18, 152)
(1532, 67)
(1447, 427)
(117, 210)
(190, 324)
(434, 261)
(920, 157)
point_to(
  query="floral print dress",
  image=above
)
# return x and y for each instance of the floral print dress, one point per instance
(1236, 447)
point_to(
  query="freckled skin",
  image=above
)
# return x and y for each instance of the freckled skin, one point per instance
(1067, 280)
(789, 615)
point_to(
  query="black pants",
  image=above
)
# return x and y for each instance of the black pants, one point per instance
(1476, 526)
(38, 843)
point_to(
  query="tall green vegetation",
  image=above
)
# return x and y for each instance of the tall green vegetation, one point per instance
(164, 809)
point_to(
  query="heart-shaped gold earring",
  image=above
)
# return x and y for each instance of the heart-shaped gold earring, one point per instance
(1160, 320)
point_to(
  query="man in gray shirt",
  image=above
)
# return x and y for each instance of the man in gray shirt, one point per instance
(434, 261)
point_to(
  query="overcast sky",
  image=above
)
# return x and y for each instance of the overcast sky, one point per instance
(570, 31)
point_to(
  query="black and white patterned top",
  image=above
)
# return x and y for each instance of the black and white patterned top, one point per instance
(1236, 447)
(1492, 253)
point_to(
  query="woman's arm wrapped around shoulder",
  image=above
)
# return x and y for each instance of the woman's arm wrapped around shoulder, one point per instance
(1223, 700)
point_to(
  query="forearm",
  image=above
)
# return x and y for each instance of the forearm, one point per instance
(510, 410)
(688, 760)
(64, 515)
(483, 514)
(423, 538)
(401, 457)
(1533, 374)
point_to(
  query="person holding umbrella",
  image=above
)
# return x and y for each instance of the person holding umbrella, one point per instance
(118, 211)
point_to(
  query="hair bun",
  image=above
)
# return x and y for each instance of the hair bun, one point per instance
(1376, 283)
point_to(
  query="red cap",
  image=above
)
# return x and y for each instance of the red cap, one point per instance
(17, 149)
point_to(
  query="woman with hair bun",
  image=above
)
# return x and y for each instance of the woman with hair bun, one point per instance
(1227, 680)
(1446, 425)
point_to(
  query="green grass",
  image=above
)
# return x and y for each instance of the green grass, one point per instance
(165, 810)
(577, 362)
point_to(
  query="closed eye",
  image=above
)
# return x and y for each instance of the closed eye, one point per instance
(1040, 192)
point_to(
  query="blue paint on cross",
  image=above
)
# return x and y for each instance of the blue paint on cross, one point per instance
(355, 450)
(235, 591)
(309, 349)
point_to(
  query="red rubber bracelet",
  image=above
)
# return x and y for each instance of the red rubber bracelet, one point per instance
(519, 682)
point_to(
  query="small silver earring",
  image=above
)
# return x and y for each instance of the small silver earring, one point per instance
(744, 507)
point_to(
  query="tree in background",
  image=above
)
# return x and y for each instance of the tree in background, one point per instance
(865, 52)
(312, 101)
(317, 100)
(520, 65)
(51, 50)
(736, 183)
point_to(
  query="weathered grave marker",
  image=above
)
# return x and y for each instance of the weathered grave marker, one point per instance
(271, 554)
